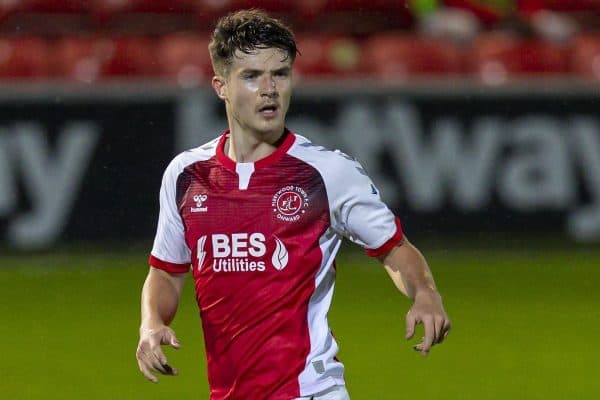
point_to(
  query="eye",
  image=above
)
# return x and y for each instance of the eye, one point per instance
(282, 73)
(249, 75)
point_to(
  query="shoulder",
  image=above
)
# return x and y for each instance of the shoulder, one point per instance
(332, 163)
(191, 156)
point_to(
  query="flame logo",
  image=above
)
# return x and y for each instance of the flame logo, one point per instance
(201, 253)
(280, 255)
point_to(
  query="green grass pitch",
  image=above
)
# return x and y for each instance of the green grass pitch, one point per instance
(526, 325)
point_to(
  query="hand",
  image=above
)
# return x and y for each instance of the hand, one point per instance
(428, 310)
(149, 354)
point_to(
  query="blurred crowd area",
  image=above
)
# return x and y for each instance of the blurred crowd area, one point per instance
(490, 41)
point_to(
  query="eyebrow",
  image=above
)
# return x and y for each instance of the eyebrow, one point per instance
(283, 69)
(250, 71)
(260, 71)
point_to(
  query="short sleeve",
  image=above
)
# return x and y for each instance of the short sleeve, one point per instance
(170, 251)
(361, 214)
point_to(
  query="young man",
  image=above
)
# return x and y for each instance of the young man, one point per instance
(259, 213)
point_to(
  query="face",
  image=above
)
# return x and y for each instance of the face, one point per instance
(256, 91)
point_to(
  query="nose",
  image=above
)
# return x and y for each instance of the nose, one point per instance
(269, 87)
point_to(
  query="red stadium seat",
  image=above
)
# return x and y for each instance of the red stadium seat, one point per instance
(485, 13)
(352, 16)
(131, 57)
(144, 16)
(498, 57)
(9, 7)
(543, 57)
(401, 56)
(54, 6)
(493, 58)
(81, 59)
(94, 59)
(585, 56)
(185, 59)
(358, 6)
(208, 11)
(221, 6)
(322, 56)
(24, 58)
(563, 5)
(45, 17)
(143, 6)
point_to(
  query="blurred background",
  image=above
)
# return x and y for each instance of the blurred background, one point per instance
(478, 120)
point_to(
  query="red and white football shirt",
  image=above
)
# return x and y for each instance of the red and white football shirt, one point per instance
(261, 239)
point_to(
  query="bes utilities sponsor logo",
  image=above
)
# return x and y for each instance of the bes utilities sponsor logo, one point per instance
(289, 203)
(241, 252)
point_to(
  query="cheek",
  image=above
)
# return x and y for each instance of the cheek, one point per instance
(243, 88)
(286, 94)
(250, 87)
(244, 96)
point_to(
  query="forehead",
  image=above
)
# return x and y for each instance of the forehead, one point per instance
(261, 59)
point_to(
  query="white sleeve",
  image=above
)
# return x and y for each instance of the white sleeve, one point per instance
(170, 251)
(358, 211)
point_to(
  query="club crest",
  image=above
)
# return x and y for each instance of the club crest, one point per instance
(290, 203)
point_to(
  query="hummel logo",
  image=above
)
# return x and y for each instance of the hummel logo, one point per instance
(199, 199)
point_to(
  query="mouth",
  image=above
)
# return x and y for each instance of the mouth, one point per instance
(268, 110)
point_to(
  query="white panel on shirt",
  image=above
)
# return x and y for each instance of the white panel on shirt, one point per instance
(244, 172)
(169, 242)
(322, 370)
(356, 212)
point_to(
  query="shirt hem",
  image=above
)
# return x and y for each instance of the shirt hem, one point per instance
(329, 382)
(167, 266)
(389, 244)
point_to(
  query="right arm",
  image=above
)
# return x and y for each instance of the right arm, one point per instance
(160, 298)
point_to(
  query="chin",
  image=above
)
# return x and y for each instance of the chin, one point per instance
(270, 129)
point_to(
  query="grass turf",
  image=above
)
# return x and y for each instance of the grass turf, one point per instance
(526, 323)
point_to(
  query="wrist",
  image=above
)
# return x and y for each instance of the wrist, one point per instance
(427, 292)
(151, 325)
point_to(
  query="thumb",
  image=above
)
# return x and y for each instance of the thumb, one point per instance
(173, 341)
(410, 326)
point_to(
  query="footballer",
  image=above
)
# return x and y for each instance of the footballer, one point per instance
(257, 216)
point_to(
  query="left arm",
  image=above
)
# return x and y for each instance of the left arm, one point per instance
(409, 270)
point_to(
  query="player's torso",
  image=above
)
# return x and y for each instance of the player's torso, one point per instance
(255, 253)
(255, 233)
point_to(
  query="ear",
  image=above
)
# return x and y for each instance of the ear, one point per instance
(220, 87)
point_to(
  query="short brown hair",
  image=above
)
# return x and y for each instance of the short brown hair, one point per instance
(247, 31)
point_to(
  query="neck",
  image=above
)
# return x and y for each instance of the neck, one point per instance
(245, 147)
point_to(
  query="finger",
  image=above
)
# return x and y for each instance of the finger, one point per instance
(444, 336)
(411, 322)
(144, 357)
(146, 372)
(158, 367)
(157, 360)
(172, 340)
(429, 334)
(159, 355)
(418, 347)
(170, 370)
(446, 330)
(160, 364)
(163, 368)
(439, 329)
